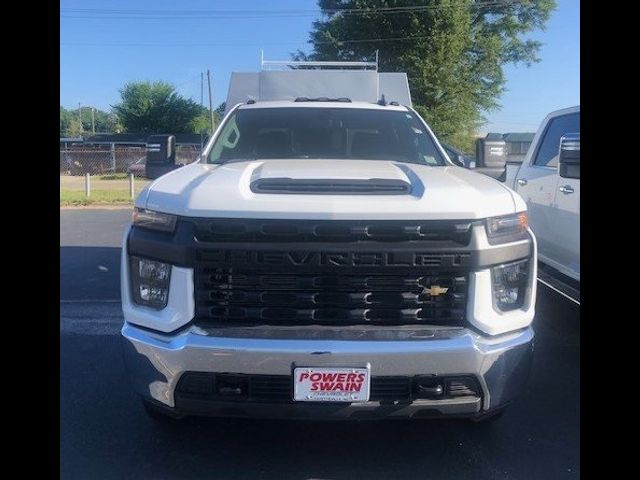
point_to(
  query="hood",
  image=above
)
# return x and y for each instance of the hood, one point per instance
(228, 190)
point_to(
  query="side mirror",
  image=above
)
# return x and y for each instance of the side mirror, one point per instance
(491, 158)
(569, 160)
(161, 155)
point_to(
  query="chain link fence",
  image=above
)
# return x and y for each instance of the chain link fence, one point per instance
(101, 160)
(108, 174)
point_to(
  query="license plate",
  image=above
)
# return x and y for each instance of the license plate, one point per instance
(329, 384)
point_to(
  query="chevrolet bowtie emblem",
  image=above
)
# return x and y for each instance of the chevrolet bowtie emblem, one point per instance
(435, 290)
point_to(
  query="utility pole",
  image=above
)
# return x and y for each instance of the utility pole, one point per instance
(201, 106)
(93, 120)
(80, 116)
(210, 101)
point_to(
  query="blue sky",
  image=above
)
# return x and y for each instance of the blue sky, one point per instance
(99, 55)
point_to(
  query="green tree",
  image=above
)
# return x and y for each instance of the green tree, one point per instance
(65, 118)
(220, 110)
(105, 122)
(70, 125)
(147, 107)
(202, 123)
(112, 123)
(74, 128)
(453, 51)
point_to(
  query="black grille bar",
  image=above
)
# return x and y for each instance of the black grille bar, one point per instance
(281, 298)
(455, 233)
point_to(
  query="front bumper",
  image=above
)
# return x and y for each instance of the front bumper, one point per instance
(501, 364)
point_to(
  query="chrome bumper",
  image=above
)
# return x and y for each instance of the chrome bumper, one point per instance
(501, 364)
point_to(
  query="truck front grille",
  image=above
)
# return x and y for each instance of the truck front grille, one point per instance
(313, 272)
(243, 297)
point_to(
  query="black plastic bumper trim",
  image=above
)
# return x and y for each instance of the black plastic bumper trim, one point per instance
(181, 249)
(451, 408)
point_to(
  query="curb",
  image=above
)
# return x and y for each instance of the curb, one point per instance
(96, 206)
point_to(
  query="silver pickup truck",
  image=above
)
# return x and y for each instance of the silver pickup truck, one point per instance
(549, 181)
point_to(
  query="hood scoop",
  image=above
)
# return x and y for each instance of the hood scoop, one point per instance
(313, 186)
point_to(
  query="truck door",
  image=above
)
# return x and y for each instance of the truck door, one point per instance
(567, 226)
(538, 183)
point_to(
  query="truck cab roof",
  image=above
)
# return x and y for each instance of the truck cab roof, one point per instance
(320, 104)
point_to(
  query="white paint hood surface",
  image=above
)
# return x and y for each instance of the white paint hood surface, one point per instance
(447, 192)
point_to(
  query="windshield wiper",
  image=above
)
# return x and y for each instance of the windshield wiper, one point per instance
(307, 157)
(234, 160)
(251, 159)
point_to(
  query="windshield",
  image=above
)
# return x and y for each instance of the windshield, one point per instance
(321, 132)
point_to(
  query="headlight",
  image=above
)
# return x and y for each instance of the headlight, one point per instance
(150, 282)
(510, 285)
(508, 228)
(163, 222)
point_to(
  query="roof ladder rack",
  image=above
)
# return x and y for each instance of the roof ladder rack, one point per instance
(323, 99)
(300, 63)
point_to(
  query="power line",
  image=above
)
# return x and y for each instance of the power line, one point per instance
(232, 44)
(181, 84)
(121, 14)
(264, 14)
(275, 12)
(235, 44)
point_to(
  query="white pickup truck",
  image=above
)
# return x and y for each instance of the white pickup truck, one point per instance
(325, 258)
(549, 181)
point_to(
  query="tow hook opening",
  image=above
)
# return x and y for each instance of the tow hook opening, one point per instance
(235, 386)
(434, 387)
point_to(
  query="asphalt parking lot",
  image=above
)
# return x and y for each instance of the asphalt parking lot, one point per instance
(106, 434)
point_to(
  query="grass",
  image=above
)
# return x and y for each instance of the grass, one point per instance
(114, 176)
(111, 197)
(107, 189)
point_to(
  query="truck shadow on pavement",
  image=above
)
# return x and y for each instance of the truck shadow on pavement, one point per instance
(89, 273)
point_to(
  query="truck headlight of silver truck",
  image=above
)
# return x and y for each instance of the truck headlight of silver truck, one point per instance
(150, 282)
(510, 284)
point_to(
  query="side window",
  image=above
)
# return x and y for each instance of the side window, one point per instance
(547, 154)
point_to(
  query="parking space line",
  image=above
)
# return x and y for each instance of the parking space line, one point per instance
(560, 292)
(117, 300)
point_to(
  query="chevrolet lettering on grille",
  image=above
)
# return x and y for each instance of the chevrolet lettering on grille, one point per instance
(334, 259)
